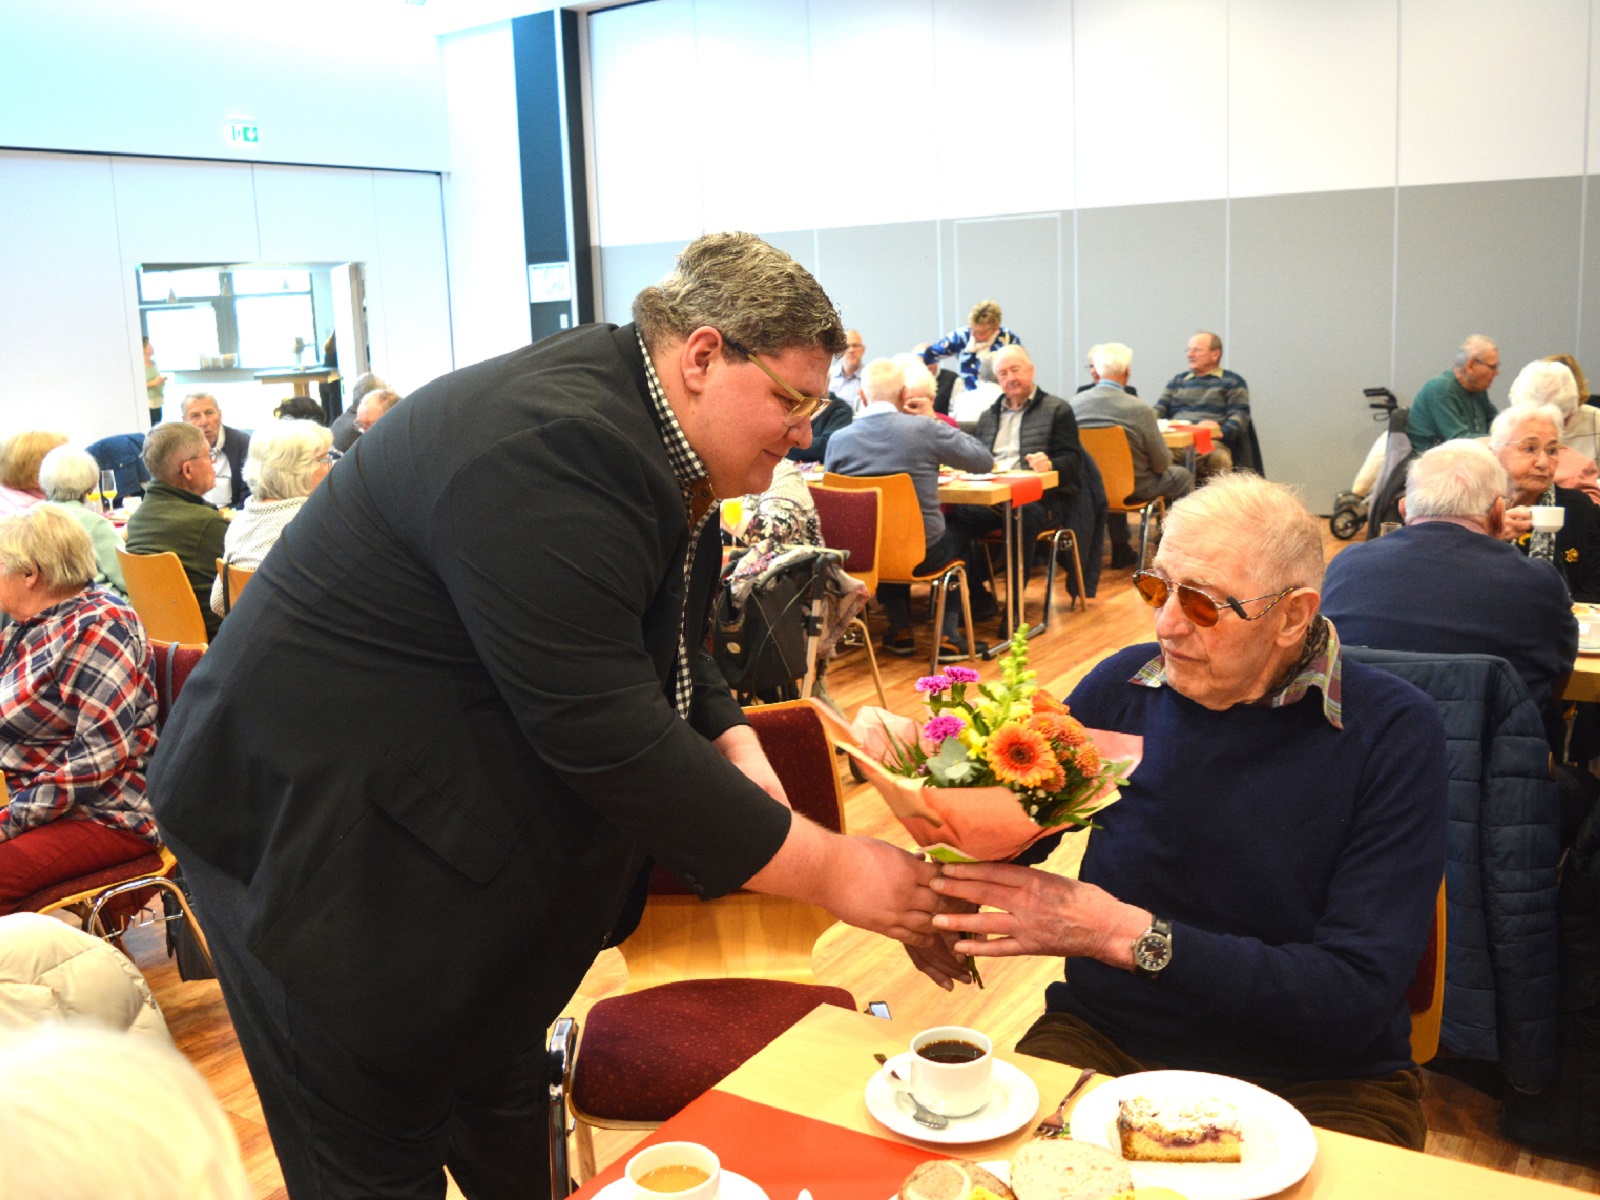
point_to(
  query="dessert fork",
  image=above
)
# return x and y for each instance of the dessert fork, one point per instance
(1055, 1125)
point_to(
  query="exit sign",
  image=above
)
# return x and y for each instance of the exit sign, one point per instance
(241, 134)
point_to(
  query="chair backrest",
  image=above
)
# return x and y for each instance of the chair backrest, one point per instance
(1108, 446)
(747, 934)
(160, 593)
(1425, 996)
(851, 520)
(233, 581)
(903, 543)
(172, 664)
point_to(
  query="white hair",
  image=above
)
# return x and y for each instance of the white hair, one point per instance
(1244, 509)
(1471, 350)
(1458, 478)
(919, 380)
(1514, 418)
(46, 540)
(1014, 350)
(1542, 382)
(1111, 358)
(159, 1134)
(283, 458)
(882, 381)
(68, 474)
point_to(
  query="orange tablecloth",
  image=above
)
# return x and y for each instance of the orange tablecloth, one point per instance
(1202, 435)
(782, 1151)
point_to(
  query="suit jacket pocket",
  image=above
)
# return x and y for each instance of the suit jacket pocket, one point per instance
(449, 815)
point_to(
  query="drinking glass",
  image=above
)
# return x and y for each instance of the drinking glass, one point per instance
(108, 490)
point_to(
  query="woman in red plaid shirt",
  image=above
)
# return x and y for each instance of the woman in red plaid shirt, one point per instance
(77, 712)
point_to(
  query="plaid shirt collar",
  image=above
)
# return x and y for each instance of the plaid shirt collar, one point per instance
(1321, 666)
(693, 479)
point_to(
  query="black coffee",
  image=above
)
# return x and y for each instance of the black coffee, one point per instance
(951, 1050)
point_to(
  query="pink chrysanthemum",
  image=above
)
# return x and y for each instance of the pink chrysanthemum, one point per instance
(932, 685)
(941, 728)
(961, 674)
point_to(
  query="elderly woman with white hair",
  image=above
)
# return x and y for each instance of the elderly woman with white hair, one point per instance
(1526, 438)
(287, 461)
(67, 475)
(1552, 383)
(77, 712)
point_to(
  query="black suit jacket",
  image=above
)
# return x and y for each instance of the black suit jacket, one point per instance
(236, 448)
(1048, 427)
(491, 581)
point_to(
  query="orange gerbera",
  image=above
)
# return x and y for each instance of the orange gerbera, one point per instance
(1044, 702)
(1020, 756)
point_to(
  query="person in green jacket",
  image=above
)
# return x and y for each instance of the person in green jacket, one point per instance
(176, 515)
(1455, 403)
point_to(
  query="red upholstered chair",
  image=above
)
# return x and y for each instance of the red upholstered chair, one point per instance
(852, 521)
(120, 891)
(710, 982)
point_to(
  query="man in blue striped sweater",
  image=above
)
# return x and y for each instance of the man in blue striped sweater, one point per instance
(1207, 395)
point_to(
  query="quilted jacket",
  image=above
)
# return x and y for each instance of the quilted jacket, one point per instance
(50, 972)
(1501, 972)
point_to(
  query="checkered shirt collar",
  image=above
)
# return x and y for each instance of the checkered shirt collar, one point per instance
(686, 465)
(1321, 666)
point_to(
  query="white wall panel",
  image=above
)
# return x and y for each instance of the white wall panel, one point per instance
(408, 295)
(346, 83)
(1492, 89)
(749, 177)
(1002, 107)
(173, 211)
(310, 214)
(1592, 150)
(1150, 84)
(71, 362)
(1311, 96)
(483, 198)
(650, 132)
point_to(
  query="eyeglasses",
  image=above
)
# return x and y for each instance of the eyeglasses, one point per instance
(332, 456)
(1198, 606)
(801, 406)
(1533, 448)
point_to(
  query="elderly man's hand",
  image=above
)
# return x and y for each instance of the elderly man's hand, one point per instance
(1039, 913)
(1040, 462)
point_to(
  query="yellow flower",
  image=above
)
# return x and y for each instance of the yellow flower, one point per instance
(1572, 554)
(1021, 756)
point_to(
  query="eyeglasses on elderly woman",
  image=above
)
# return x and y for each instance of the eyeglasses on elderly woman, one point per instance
(1200, 607)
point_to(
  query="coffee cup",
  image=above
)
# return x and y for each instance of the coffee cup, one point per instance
(674, 1171)
(951, 1070)
(1547, 518)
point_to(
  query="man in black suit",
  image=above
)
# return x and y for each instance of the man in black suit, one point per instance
(511, 585)
(229, 448)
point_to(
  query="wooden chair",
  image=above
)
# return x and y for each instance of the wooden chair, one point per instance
(903, 545)
(1108, 446)
(851, 521)
(233, 581)
(1057, 538)
(1425, 996)
(161, 594)
(692, 964)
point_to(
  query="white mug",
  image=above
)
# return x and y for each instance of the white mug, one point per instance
(1547, 518)
(674, 1154)
(950, 1088)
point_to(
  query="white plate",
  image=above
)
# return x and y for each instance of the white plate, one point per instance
(1278, 1144)
(1013, 1105)
(1589, 647)
(734, 1186)
(964, 477)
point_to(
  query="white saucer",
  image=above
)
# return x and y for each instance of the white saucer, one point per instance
(734, 1186)
(1014, 1103)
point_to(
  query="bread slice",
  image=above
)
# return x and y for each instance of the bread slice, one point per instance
(1059, 1169)
(953, 1179)
(1179, 1130)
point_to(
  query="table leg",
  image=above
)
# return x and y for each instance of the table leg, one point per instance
(302, 388)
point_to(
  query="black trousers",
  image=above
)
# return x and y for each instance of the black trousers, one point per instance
(341, 1127)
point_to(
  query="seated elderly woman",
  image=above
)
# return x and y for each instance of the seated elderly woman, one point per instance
(67, 475)
(287, 460)
(1547, 382)
(1527, 441)
(77, 712)
(20, 456)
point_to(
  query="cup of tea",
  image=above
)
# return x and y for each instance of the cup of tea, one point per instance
(1547, 518)
(952, 1070)
(682, 1170)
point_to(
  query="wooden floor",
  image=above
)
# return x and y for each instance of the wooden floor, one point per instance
(1461, 1119)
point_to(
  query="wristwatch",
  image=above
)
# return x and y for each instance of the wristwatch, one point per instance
(1153, 948)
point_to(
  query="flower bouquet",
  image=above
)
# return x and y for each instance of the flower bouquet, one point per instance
(993, 769)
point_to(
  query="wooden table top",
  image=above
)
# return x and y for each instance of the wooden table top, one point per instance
(955, 490)
(1585, 681)
(1178, 439)
(820, 1067)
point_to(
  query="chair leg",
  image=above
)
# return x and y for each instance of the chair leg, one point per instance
(966, 608)
(563, 1037)
(1156, 508)
(583, 1139)
(872, 661)
(1077, 571)
(939, 598)
(1050, 579)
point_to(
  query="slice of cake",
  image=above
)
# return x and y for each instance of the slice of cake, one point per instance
(1179, 1130)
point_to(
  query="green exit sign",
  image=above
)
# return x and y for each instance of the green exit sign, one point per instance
(240, 134)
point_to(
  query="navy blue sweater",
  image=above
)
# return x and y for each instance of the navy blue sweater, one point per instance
(1297, 862)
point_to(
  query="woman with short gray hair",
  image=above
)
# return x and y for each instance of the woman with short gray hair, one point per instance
(287, 460)
(67, 476)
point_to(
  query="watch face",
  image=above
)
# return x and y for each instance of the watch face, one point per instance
(1152, 951)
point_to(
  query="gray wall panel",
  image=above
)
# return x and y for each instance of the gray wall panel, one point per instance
(624, 270)
(1016, 262)
(1492, 258)
(1589, 324)
(885, 281)
(1150, 275)
(1310, 289)
(798, 244)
